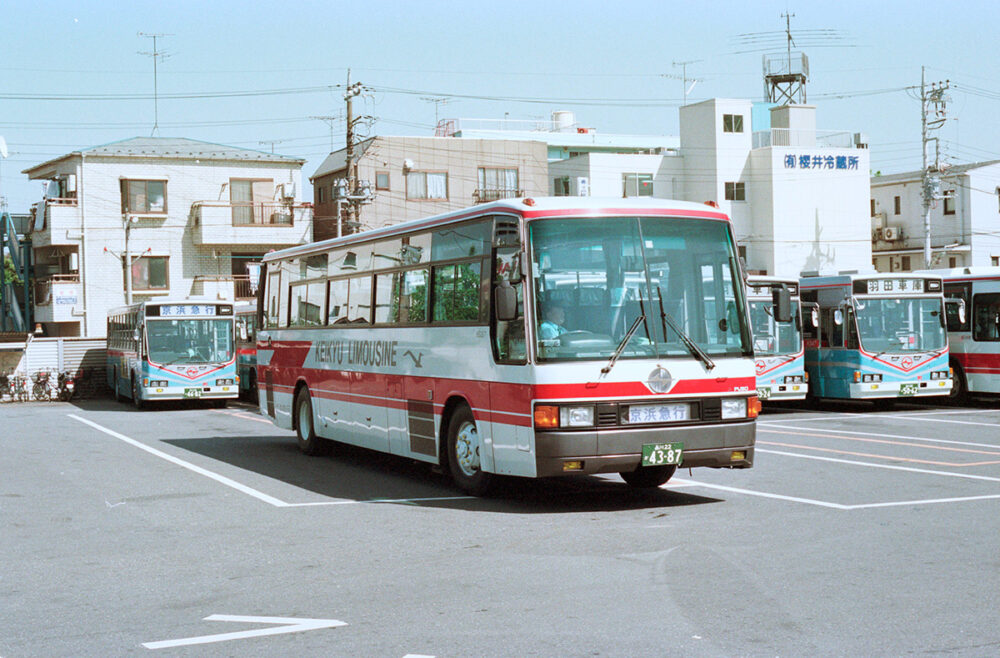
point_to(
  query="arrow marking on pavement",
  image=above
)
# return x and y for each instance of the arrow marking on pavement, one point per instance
(287, 625)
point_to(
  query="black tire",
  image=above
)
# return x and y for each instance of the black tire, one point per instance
(137, 401)
(305, 431)
(884, 404)
(649, 477)
(254, 394)
(959, 392)
(464, 448)
(220, 404)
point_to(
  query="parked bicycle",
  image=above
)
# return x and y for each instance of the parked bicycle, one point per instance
(67, 385)
(41, 390)
(6, 387)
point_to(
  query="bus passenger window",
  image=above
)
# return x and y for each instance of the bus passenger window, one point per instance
(457, 292)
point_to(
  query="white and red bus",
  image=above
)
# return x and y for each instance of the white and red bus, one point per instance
(973, 328)
(525, 337)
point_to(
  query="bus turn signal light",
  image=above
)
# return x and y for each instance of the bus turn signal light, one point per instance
(546, 416)
(753, 407)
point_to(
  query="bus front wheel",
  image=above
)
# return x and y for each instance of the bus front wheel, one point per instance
(464, 454)
(136, 399)
(959, 388)
(648, 477)
(305, 431)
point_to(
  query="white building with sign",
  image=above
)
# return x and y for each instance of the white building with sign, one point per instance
(798, 197)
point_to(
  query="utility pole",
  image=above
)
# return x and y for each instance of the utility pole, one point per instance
(356, 193)
(156, 54)
(931, 119)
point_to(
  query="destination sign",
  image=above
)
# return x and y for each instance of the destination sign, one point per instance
(176, 310)
(893, 286)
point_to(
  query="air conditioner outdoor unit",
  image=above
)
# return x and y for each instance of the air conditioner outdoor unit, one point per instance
(890, 233)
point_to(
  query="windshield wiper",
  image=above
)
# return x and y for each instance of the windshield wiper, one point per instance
(685, 339)
(621, 346)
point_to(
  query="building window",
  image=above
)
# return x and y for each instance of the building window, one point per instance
(637, 185)
(252, 201)
(906, 264)
(896, 205)
(426, 185)
(736, 192)
(150, 273)
(873, 207)
(496, 183)
(949, 203)
(560, 186)
(144, 196)
(320, 194)
(381, 180)
(732, 123)
(994, 260)
(952, 261)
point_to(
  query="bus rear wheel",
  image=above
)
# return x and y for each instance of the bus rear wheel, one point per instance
(305, 431)
(649, 477)
(959, 388)
(136, 399)
(464, 454)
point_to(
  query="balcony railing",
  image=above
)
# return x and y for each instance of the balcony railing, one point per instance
(803, 138)
(53, 288)
(267, 214)
(487, 195)
(53, 219)
(226, 223)
(235, 287)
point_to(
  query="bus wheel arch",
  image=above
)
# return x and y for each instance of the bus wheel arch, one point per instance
(462, 446)
(959, 385)
(136, 393)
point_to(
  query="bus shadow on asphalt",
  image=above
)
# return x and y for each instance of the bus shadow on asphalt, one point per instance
(357, 474)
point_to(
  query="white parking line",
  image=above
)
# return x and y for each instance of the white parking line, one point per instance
(883, 436)
(909, 469)
(242, 488)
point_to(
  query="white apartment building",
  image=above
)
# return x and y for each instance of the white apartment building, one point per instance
(797, 196)
(965, 224)
(190, 217)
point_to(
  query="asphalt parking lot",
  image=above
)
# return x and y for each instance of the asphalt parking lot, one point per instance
(193, 531)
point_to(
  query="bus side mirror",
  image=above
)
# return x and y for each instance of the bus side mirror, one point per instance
(136, 335)
(505, 299)
(781, 300)
(958, 311)
(838, 317)
(814, 315)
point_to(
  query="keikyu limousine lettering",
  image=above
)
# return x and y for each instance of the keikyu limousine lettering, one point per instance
(357, 352)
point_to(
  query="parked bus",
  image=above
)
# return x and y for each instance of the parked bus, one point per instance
(880, 336)
(172, 350)
(973, 312)
(524, 337)
(779, 354)
(246, 349)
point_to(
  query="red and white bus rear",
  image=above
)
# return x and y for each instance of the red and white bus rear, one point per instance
(973, 315)
(525, 337)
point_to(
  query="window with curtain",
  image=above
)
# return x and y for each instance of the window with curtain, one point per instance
(426, 185)
(150, 273)
(144, 196)
(252, 200)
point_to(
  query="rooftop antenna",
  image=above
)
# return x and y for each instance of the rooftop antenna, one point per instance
(272, 142)
(156, 54)
(330, 121)
(438, 102)
(683, 77)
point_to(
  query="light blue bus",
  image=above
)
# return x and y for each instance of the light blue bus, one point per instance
(779, 355)
(172, 350)
(881, 336)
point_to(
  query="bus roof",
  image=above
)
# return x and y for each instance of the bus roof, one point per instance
(528, 208)
(118, 310)
(965, 273)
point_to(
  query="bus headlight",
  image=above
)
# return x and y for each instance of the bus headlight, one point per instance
(941, 374)
(159, 383)
(576, 416)
(793, 379)
(868, 379)
(223, 382)
(734, 408)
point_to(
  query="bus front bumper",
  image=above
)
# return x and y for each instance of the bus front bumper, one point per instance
(617, 450)
(904, 390)
(782, 392)
(191, 392)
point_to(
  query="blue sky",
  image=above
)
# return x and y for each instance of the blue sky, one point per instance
(604, 61)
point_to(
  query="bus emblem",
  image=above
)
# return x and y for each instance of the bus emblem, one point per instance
(659, 381)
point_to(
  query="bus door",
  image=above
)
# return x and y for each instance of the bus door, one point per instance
(265, 342)
(510, 350)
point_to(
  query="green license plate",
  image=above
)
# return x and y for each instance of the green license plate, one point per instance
(192, 392)
(763, 393)
(659, 454)
(908, 389)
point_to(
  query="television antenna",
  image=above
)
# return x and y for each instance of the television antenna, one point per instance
(156, 54)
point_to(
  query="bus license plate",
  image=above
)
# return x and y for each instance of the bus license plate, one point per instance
(659, 454)
(763, 393)
(192, 392)
(908, 389)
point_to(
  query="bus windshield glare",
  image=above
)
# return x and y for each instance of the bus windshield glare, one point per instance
(900, 325)
(594, 277)
(189, 341)
(773, 338)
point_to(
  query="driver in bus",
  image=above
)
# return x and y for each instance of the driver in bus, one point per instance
(552, 318)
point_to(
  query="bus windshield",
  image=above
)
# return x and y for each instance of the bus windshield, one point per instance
(593, 277)
(189, 341)
(773, 338)
(900, 325)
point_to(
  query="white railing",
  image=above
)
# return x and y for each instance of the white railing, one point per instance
(809, 138)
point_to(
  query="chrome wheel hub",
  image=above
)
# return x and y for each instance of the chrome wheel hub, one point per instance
(467, 449)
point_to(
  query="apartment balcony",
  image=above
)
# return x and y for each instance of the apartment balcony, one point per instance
(225, 223)
(236, 287)
(487, 195)
(57, 297)
(55, 222)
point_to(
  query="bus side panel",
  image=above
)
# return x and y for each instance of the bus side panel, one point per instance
(510, 424)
